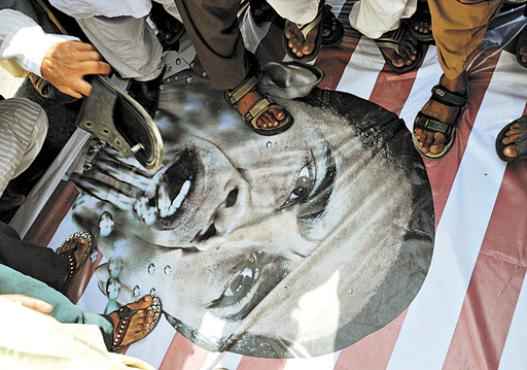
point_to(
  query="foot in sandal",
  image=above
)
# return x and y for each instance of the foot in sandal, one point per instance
(511, 143)
(259, 112)
(435, 124)
(134, 321)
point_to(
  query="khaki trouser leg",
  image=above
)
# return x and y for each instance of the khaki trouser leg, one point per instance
(458, 30)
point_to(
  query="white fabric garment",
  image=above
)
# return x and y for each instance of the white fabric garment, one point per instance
(106, 8)
(23, 129)
(372, 18)
(297, 11)
(39, 342)
(24, 41)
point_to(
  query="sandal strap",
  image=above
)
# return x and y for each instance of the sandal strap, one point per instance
(259, 108)
(447, 97)
(308, 27)
(431, 124)
(235, 95)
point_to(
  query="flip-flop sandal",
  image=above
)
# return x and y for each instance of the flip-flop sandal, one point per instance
(422, 14)
(426, 122)
(118, 120)
(71, 245)
(522, 42)
(401, 41)
(261, 106)
(521, 143)
(122, 318)
(332, 28)
(305, 29)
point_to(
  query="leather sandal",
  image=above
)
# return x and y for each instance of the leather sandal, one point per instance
(306, 29)
(261, 106)
(114, 117)
(124, 333)
(428, 123)
(402, 42)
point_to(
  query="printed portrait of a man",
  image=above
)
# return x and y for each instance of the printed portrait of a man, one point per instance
(293, 245)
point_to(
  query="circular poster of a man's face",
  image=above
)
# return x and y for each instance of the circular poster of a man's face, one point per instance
(297, 244)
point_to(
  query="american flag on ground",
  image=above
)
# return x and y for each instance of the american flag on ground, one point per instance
(471, 313)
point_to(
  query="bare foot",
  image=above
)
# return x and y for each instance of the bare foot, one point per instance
(434, 142)
(406, 58)
(404, 53)
(513, 134)
(423, 27)
(298, 44)
(270, 119)
(135, 321)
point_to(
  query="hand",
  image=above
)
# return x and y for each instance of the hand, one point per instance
(31, 303)
(66, 63)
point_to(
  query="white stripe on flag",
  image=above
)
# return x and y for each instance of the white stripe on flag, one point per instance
(226, 360)
(432, 317)
(326, 362)
(514, 356)
(362, 70)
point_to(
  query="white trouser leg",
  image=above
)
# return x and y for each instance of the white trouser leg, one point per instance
(296, 11)
(23, 129)
(128, 44)
(372, 18)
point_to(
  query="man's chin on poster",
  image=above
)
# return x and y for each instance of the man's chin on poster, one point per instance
(298, 244)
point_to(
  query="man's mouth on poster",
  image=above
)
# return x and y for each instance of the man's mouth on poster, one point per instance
(200, 193)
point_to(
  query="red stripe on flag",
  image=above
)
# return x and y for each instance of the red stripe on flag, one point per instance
(52, 214)
(372, 352)
(255, 363)
(496, 282)
(183, 355)
(391, 90)
(333, 61)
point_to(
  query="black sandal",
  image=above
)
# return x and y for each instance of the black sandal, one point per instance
(521, 143)
(122, 318)
(402, 42)
(306, 29)
(332, 30)
(422, 14)
(261, 106)
(428, 123)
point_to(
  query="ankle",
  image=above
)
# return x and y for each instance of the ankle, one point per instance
(457, 84)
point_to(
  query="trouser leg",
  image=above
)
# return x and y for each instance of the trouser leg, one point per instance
(13, 282)
(299, 11)
(372, 18)
(128, 44)
(23, 129)
(213, 28)
(38, 262)
(458, 30)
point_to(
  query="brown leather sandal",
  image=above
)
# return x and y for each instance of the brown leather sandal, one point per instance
(124, 332)
(76, 249)
(261, 106)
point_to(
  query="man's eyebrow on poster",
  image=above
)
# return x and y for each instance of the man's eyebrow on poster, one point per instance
(160, 200)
